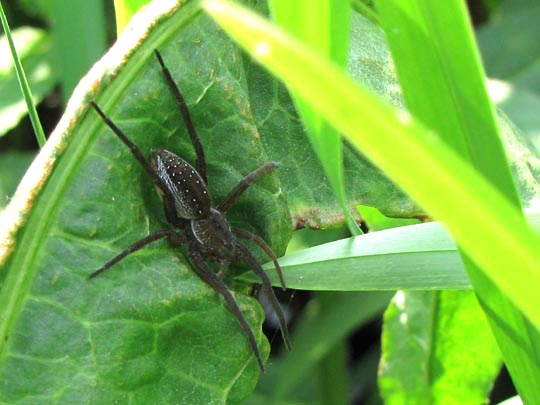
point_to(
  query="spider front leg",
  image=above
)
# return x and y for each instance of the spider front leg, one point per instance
(212, 279)
(201, 162)
(133, 148)
(244, 253)
(133, 248)
(244, 185)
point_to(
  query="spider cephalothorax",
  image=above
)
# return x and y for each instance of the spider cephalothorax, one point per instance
(195, 222)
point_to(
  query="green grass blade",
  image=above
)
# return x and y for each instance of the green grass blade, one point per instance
(34, 48)
(450, 189)
(325, 27)
(332, 375)
(453, 82)
(417, 257)
(23, 82)
(414, 257)
(434, 40)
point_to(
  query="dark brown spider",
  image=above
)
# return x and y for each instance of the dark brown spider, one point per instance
(195, 223)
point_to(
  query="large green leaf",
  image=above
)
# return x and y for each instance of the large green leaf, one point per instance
(149, 328)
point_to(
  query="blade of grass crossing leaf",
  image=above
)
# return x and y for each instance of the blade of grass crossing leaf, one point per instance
(325, 27)
(452, 97)
(434, 40)
(418, 257)
(420, 163)
(27, 93)
(414, 257)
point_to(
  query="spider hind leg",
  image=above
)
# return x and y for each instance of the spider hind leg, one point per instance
(214, 281)
(240, 233)
(245, 254)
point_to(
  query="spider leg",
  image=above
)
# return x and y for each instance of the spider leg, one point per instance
(207, 274)
(244, 184)
(201, 162)
(132, 147)
(132, 248)
(262, 244)
(267, 288)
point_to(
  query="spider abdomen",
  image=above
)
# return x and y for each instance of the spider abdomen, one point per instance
(187, 188)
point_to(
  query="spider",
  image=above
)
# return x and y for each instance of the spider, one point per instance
(195, 222)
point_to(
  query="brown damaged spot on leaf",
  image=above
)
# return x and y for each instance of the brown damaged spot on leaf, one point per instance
(313, 219)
